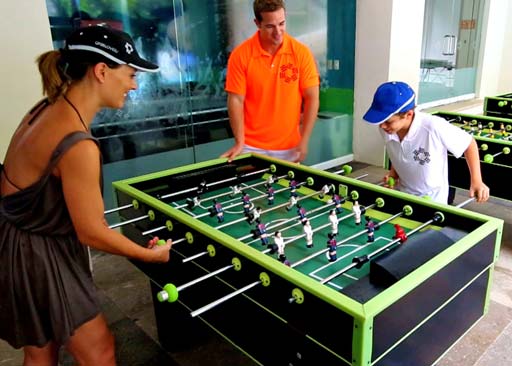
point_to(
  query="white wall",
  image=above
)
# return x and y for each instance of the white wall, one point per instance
(388, 47)
(24, 34)
(505, 79)
(494, 76)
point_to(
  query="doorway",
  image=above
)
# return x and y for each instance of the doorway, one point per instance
(449, 55)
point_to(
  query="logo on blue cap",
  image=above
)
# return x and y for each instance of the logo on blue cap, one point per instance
(390, 98)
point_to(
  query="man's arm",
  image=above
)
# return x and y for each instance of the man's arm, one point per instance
(477, 186)
(236, 121)
(311, 104)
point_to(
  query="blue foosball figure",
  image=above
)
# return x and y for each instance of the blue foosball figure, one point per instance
(332, 254)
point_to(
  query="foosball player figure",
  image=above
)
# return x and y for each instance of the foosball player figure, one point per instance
(308, 232)
(301, 211)
(246, 200)
(261, 231)
(370, 229)
(270, 194)
(325, 190)
(333, 246)
(217, 210)
(203, 187)
(254, 215)
(356, 209)
(480, 127)
(400, 234)
(293, 188)
(503, 130)
(271, 179)
(279, 243)
(491, 133)
(333, 219)
(337, 203)
(193, 202)
(292, 202)
(235, 190)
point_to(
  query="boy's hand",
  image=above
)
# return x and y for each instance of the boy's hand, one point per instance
(480, 191)
(389, 181)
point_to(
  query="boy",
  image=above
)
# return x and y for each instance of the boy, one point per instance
(417, 144)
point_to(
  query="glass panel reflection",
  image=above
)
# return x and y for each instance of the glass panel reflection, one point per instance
(451, 39)
(184, 105)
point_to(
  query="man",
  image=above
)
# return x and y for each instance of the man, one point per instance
(270, 78)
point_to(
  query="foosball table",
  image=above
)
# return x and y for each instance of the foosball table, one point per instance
(494, 138)
(498, 106)
(297, 266)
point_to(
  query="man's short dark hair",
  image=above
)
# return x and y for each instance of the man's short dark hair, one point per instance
(264, 6)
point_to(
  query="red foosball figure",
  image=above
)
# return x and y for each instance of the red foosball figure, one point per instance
(400, 234)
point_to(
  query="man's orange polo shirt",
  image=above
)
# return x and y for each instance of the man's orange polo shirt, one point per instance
(273, 88)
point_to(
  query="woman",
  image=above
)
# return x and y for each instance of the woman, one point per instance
(51, 205)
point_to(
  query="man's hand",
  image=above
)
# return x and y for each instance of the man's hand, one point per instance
(302, 151)
(233, 152)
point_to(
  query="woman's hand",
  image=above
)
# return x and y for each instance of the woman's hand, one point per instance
(160, 250)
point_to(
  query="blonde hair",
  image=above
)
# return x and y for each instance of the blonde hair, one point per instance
(54, 82)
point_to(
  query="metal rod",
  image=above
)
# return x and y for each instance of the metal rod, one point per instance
(128, 221)
(202, 278)
(223, 299)
(462, 204)
(188, 259)
(177, 193)
(118, 209)
(151, 231)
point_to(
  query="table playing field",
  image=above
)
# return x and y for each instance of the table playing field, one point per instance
(352, 239)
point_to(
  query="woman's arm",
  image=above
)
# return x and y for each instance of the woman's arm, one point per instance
(79, 170)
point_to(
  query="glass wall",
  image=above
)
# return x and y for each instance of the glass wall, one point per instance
(451, 39)
(178, 116)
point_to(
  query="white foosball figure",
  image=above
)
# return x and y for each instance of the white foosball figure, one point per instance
(292, 202)
(279, 241)
(255, 214)
(235, 190)
(333, 219)
(356, 209)
(308, 231)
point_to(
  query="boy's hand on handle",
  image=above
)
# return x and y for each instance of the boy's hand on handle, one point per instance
(389, 181)
(480, 191)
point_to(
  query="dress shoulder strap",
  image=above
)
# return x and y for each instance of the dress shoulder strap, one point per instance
(65, 144)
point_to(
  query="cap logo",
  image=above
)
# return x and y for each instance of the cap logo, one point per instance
(128, 47)
(103, 45)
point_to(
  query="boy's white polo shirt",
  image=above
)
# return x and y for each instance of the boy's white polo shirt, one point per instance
(421, 158)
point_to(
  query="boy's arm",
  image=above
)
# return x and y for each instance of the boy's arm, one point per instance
(477, 187)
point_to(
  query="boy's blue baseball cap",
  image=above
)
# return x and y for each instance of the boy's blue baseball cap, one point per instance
(390, 98)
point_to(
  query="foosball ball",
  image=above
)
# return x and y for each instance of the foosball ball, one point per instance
(494, 138)
(297, 266)
(498, 106)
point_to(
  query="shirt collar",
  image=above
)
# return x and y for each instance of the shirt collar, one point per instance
(413, 129)
(258, 50)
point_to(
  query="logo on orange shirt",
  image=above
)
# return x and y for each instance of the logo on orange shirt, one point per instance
(289, 73)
